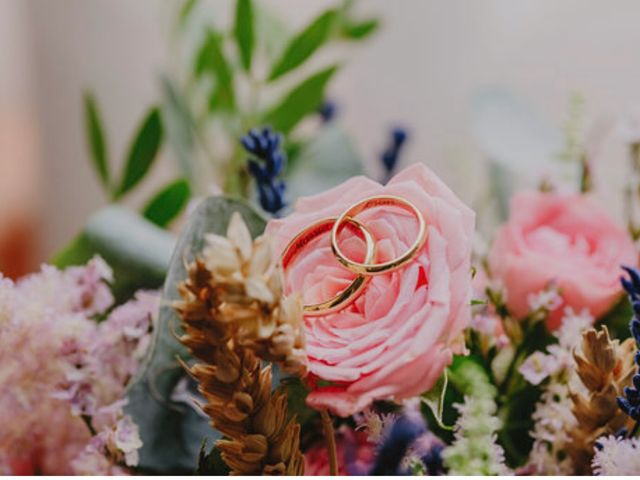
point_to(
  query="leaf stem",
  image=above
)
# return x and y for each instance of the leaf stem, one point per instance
(327, 426)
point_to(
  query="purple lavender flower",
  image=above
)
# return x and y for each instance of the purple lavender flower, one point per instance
(630, 402)
(391, 154)
(266, 165)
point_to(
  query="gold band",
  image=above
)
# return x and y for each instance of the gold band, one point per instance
(367, 268)
(349, 294)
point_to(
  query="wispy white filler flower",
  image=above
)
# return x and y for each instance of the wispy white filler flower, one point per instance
(552, 417)
(617, 456)
(475, 450)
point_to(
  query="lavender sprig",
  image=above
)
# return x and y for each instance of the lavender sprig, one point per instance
(630, 402)
(266, 165)
(390, 156)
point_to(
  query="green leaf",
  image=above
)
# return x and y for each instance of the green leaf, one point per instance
(302, 100)
(185, 11)
(303, 45)
(211, 60)
(142, 153)
(618, 318)
(172, 431)
(180, 128)
(96, 137)
(297, 392)
(77, 252)
(244, 31)
(168, 202)
(137, 250)
(327, 160)
(359, 30)
(435, 399)
(272, 31)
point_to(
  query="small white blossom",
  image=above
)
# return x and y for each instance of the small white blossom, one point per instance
(617, 457)
(537, 367)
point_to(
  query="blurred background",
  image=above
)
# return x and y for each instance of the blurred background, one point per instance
(469, 81)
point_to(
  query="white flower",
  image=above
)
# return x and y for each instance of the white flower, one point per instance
(617, 457)
(548, 299)
(538, 367)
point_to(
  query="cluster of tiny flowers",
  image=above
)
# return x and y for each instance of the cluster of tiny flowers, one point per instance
(617, 456)
(475, 450)
(376, 425)
(539, 366)
(49, 333)
(548, 299)
(553, 417)
(113, 448)
(266, 165)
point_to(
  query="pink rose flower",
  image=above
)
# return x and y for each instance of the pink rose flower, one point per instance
(567, 239)
(396, 339)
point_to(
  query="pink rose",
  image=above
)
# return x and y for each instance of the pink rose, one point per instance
(398, 337)
(567, 239)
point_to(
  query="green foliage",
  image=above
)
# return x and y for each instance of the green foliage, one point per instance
(172, 431)
(435, 399)
(359, 30)
(305, 44)
(137, 250)
(244, 31)
(302, 100)
(618, 318)
(297, 393)
(142, 152)
(96, 137)
(168, 203)
(212, 61)
(185, 11)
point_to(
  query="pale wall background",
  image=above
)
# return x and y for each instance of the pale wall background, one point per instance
(420, 71)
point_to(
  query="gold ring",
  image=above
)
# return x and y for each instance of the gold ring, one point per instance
(367, 268)
(353, 291)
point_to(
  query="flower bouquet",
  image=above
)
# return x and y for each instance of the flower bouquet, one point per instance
(301, 318)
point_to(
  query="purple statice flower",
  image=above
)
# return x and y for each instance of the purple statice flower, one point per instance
(630, 402)
(266, 165)
(389, 157)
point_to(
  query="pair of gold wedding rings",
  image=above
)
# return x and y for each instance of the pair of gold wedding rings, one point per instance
(364, 270)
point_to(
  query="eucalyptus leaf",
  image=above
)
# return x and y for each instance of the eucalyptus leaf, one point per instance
(244, 31)
(172, 431)
(303, 45)
(96, 137)
(168, 202)
(302, 100)
(211, 60)
(327, 160)
(143, 151)
(137, 250)
(435, 399)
